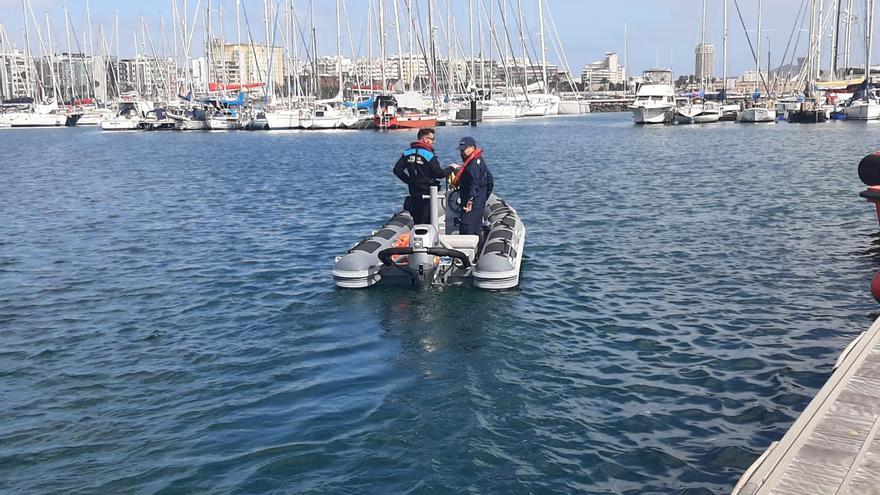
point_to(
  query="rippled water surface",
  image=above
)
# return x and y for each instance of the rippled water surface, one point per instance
(168, 321)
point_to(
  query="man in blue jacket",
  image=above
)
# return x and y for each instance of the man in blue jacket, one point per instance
(475, 184)
(419, 168)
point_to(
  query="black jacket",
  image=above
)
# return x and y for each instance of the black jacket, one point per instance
(476, 183)
(419, 168)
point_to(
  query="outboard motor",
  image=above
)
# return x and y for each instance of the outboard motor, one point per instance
(422, 263)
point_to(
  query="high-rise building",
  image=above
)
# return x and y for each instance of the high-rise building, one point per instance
(15, 72)
(704, 62)
(246, 63)
(601, 72)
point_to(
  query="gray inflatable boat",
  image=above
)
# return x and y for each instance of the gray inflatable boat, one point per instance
(435, 253)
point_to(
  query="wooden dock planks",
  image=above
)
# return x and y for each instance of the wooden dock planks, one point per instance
(834, 446)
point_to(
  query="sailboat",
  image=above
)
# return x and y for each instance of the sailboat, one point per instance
(809, 110)
(699, 111)
(24, 112)
(227, 114)
(867, 107)
(129, 114)
(760, 111)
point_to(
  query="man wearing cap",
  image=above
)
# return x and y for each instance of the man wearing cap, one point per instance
(419, 168)
(475, 184)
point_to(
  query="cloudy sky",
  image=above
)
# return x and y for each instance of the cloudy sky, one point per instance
(663, 32)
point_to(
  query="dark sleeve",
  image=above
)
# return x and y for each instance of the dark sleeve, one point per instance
(400, 169)
(436, 170)
(469, 185)
(490, 181)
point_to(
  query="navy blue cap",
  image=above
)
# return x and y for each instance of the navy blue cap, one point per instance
(465, 142)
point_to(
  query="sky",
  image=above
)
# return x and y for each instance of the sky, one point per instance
(658, 32)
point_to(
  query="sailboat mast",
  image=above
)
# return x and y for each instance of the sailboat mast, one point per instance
(491, 45)
(724, 54)
(522, 40)
(316, 87)
(450, 82)
(703, 48)
(432, 57)
(847, 37)
(69, 55)
(543, 49)
(482, 62)
(224, 77)
(93, 54)
(809, 65)
(471, 36)
(208, 47)
(27, 51)
(625, 61)
(820, 28)
(294, 27)
(51, 59)
(382, 41)
(412, 70)
(339, 47)
(238, 41)
(370, 44)
(758, 52)
(3, 49)
(869, 31)
(399, 42)
(835, 38)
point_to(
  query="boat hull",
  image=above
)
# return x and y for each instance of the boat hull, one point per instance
(758, 114)
(573, 107)
(652, 115)
(93, 118)
(806, 116)
(406, 122)
(193, 125)
(283, 120)
(120, 124)
(322, 123)
(224, 124)
(435, 254)
(500, 112)
(25, 119)
(862, 111)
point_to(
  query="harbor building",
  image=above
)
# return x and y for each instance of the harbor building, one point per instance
(597, 75)
(245, 63)
(704, 62)
(13, 74)
(148, 76)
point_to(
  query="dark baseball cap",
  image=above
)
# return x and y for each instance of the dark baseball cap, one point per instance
(465, 142)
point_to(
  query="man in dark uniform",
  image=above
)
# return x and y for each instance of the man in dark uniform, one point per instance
(475, 184)
(419, 168)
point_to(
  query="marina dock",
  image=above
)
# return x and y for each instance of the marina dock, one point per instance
(834, 446)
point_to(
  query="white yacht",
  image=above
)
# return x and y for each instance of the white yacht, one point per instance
(697, 113)
(655, 99)
(285, 118)
(128, 117)
(225, 119)
(573, 106)
(30, 114)
(758, 114)
(500, 109)
(321, 116)
(94, 116)
(863, 109)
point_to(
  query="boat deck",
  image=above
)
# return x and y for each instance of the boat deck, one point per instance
(834, 446)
